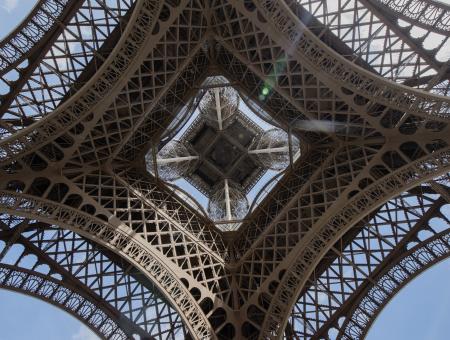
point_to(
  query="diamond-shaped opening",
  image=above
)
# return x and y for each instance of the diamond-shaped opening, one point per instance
(222, 156)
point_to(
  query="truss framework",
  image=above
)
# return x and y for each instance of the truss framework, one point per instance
(338, 235)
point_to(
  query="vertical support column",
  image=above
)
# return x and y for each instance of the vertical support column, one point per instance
(17, 233)
(218, 107)
(227, 200)
(177, 159)
(155, 159)
(291, 155)
(269, 150)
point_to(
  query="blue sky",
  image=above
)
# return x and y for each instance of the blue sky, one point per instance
(23, 317)
(11, 13)
(419, 312)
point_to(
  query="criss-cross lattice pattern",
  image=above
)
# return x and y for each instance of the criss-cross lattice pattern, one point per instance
(91, 88)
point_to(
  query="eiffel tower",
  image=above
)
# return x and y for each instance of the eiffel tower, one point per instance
(316, 131)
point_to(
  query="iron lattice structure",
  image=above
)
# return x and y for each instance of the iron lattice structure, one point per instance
(90, 86)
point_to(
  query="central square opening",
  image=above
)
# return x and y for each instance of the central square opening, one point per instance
(221, 154)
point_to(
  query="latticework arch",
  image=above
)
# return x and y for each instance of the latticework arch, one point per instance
(362, 85)
(73, 269)
(370, 264)
(113, 238)
(51, 291)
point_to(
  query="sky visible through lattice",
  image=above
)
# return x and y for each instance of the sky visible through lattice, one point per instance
(420, 312)
(23, 317)
(267, 180)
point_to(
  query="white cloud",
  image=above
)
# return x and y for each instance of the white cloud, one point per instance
(9, 5)
(84, 333)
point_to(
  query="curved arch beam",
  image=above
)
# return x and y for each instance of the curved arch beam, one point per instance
(392, 25)
(29, 35)
(302, 261)
(431, 15)
(70, 299)
(378, 241)
(391, 281)
(385, 21)
(136, 305)
(108, 78)
(354, 79)
(67, 57)
(121, 241)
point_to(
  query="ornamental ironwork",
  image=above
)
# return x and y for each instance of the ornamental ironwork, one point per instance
(224, 169)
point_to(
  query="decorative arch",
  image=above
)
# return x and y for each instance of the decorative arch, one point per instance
(391, 281)
(373, 260)
(334, 227)
(128, 50)
(106, 279)
(70, 299)
(43, 39)
(27, 37)
(367, 135)
(430, 15)
(121, 241)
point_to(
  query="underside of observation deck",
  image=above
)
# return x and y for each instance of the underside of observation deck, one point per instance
(106, 105)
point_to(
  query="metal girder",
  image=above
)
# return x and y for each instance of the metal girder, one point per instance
(381, 241)
(430, 15)
(35, 32)
(105, 229)
(391, 21)
(420, 258)
(92, 96)
(110, 325)
(79, 164)
(40, 48)
(385, 44)
(64, 55)
(324, 235)
(109, 282)
(69, 299)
